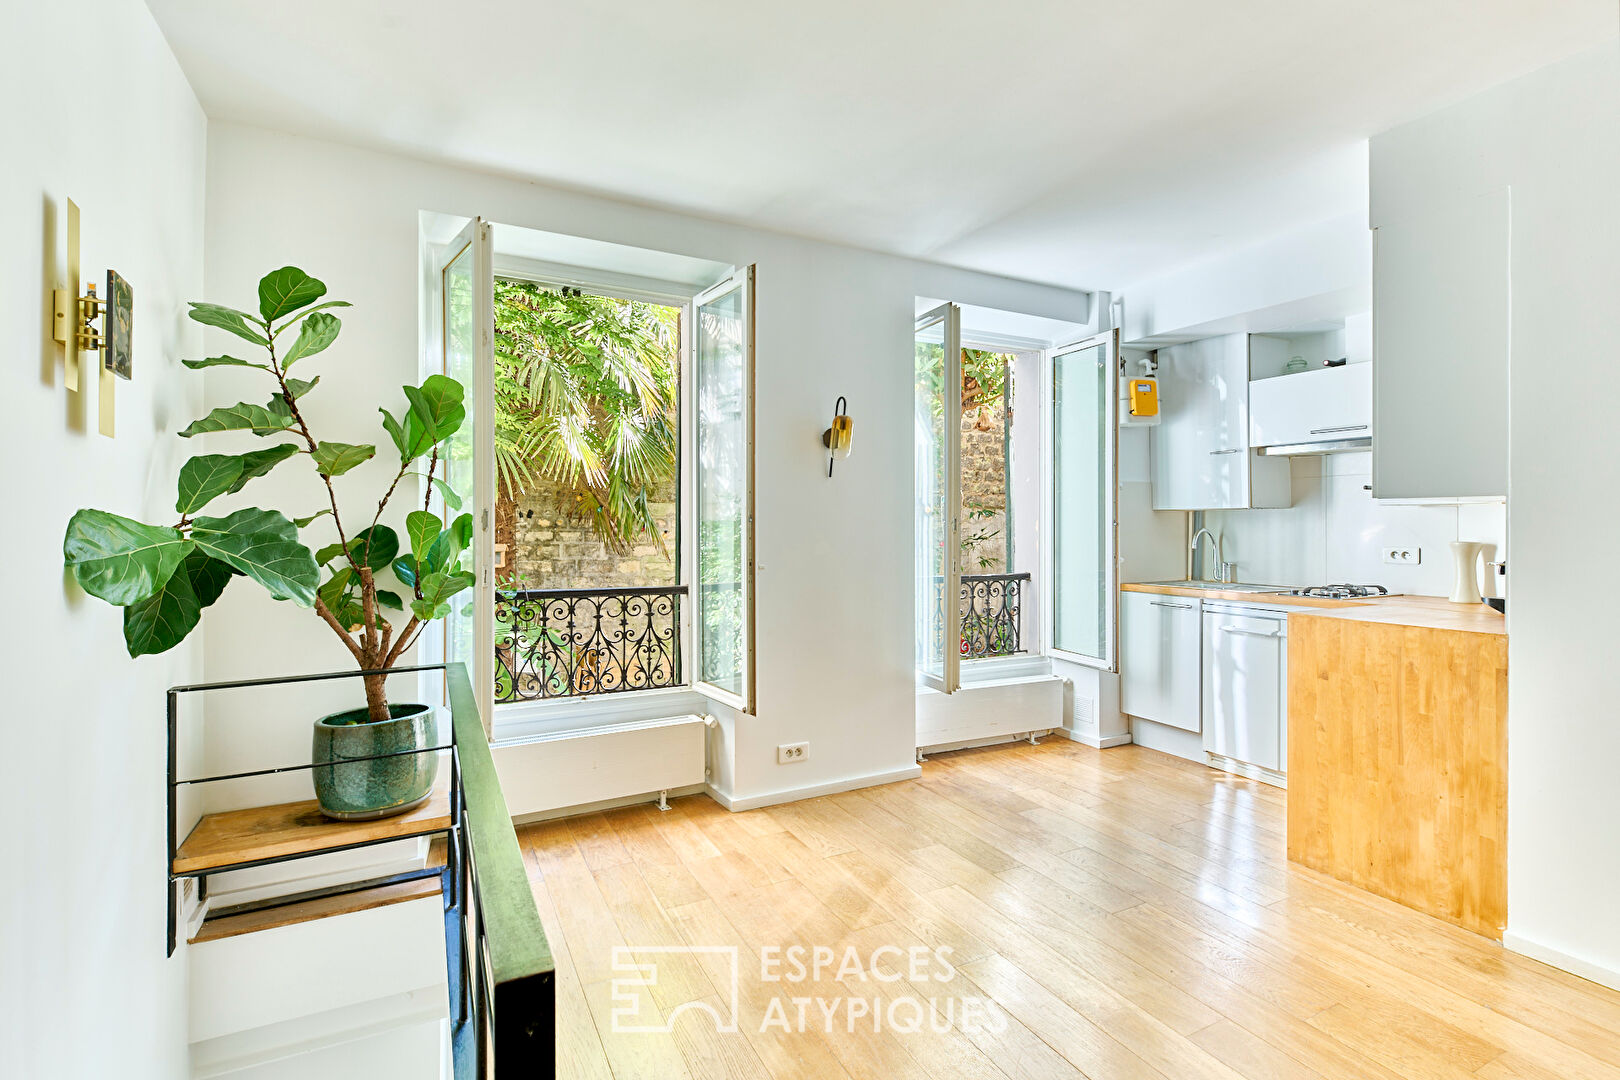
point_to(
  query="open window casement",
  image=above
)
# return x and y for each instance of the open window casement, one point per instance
(1081, 452)
(461, 338)
(723, 499)
(938, 480)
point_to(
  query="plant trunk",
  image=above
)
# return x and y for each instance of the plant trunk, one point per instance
(376, 700)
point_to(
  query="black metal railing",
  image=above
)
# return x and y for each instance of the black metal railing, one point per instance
(553, 643)
(500, 970)
(992, 610)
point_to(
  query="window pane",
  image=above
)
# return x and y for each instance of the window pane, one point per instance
(722, 489)
(931, 491)
(1080, 385)
(460, 363)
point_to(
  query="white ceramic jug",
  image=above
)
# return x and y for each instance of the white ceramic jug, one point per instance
(1465, 557)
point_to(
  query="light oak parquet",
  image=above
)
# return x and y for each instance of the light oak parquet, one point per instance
(1114, 914)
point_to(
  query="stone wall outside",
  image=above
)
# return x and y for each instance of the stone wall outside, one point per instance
(550, 542)
(984, 486)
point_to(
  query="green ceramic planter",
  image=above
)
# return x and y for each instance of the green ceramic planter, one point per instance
(364, 790)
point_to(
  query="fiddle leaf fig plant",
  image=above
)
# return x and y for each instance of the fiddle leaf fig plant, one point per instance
(163, 576)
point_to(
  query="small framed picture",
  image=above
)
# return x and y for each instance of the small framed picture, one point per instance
(120, 320)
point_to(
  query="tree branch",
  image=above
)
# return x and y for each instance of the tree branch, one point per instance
(326, 613)
(405, 641)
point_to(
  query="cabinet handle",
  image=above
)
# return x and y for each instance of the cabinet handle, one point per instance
(1161, 603)
(1251, 633)
(1234, 450)
(1331, 430)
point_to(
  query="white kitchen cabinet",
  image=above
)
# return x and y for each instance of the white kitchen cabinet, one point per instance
(1199, 451)
(1245, 685)
(1311, 406)
(1440, 349)
(1159, 658)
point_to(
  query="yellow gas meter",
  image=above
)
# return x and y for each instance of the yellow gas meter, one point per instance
(1143, 396)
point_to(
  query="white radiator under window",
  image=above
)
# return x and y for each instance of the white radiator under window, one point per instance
(612, 761)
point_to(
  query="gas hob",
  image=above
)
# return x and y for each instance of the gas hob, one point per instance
(1339, 592)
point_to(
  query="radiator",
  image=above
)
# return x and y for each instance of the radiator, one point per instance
(577, 768)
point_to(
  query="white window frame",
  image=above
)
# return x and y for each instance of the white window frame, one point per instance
(1110, 590)
(745, 703)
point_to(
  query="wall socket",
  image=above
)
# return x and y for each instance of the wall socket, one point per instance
(1410, 556)
(791, 752)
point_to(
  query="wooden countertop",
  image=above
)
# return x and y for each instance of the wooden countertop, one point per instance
(1432, 612)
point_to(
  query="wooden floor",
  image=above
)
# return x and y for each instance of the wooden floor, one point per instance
(1112, 914)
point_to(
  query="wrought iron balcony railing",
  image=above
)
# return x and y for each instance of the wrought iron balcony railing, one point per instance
(553, 643)
(992, 607)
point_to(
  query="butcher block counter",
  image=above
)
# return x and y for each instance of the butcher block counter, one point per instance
(1397, 747)
(1397, 753)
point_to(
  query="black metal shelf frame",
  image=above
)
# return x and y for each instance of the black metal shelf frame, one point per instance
(503, 990)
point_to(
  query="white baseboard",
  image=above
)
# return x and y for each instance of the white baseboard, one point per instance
(1072, 735)
(608, 804)
(776, 798)
(1597, 973)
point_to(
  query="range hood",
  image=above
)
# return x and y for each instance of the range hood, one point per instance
(1319, 448)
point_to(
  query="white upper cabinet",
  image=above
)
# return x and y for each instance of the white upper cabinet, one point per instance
(1311, 406)
(1200, 450)
(1440, 348)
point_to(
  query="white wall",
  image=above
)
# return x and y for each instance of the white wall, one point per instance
(1554, 135)
(834, 557)
(1336, 532)
(96, 110)
(1316, 273)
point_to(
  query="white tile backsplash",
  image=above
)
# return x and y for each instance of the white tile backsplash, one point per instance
(1336, 531)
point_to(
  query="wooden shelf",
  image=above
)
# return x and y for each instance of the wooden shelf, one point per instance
(297, 828)
(219, 927)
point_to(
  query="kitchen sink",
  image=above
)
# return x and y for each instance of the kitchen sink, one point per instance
(1221, 585)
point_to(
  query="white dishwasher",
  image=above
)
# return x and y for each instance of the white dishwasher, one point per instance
(1245, 694)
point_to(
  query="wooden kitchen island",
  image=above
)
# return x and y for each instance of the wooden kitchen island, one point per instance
(1397, 753)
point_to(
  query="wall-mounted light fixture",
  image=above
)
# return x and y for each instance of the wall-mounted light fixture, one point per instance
(838, 437)
(75, 326)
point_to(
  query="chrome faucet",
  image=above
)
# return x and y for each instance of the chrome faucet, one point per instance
(1192, 551)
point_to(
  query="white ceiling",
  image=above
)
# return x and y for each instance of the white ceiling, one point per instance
(1065, 141)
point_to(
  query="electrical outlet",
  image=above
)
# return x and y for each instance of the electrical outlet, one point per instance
(791, 752)
(1409, 556)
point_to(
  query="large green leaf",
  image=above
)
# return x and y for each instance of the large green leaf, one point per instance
(437, 589)
(239, 323)
(303, 522)
(295, 316)
(208, 575)
(161, 621)
(452, 501)
(118, 560)
(336, 458)
(377, 546)
(333, 588)
(389, 599)
(284, 291)
(446, 552)
(259, 419)
(436, 407)
(422, 528)
(396, 431)
(263, 545)
(210, 475)
(223, 361)
(319, 330)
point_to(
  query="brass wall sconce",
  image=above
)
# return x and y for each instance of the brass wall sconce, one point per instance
(75, 326)
(838, 437)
